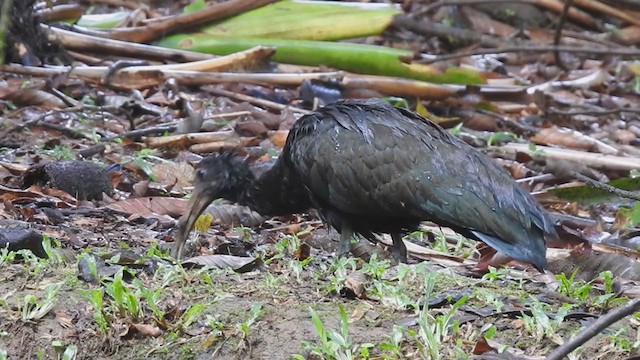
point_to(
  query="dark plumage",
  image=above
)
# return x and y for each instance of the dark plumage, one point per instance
(368, 168)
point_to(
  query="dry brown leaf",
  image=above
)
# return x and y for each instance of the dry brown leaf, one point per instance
(564, 137)
(302, 253)
(58, 197)
(279, 138)
(234, 215)
(355, 285)
(155, 205)
(174, 173)
(32, 97)
(146, 330)
(481, 346)
(485, 24)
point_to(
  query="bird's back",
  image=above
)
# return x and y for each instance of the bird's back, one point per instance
(383, 167)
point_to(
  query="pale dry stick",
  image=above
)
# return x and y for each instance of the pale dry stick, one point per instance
(595, 160)
(256, 101)
(84, 42)
(624, 52)
(606, 187)
(594, 111)
(146, 131)
(541, 177)
(576, 15)
(604, 9)
(594, 329)
(184, 78)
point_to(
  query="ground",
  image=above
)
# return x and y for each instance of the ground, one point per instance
(408, 311)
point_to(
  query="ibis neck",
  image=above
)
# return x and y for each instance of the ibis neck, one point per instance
(278, 191)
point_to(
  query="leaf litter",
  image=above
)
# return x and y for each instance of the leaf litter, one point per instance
(548, 116)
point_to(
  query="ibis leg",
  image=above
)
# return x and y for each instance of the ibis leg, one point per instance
(177, 250)
(346, 235)
(399, 249)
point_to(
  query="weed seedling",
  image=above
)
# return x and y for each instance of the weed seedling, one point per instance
(333, 344)
(494, 274)
(575, 289)
(393, 344)
(96, 299)
(540, 325)
(32, 309)
(375, 268)
(126, 301)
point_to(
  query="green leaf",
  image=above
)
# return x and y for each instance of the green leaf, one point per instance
(631, 215)
(306, 20)
(194, 6)
(358, 58)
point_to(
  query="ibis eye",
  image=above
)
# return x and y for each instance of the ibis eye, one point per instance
(200, 174)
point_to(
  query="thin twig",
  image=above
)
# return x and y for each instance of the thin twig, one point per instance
(620, 51)
(255, 101)
(146, 131)
(599, 325)
(430, 28)
(606, 187)
(429, 8)
(594, 111)
(558, 35)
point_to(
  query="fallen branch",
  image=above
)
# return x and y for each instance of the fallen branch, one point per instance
(594, 111)
(624, 52)
(594, 329)
(71, 40)
(183, 77)
(185, 22)
(606, 187)
(590, 159)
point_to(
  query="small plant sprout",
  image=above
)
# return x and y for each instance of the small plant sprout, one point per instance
(495, 274)
(256, 311)
(96, 299)
(61, 152)
(340, 268)
(434, 330)
(335, 344)
(126, 301)
(152, 298)
(191, 314)
(540, 325)
(50, 247)
(393, 344)
(32, 309)
(375, 268)
(576, 289)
